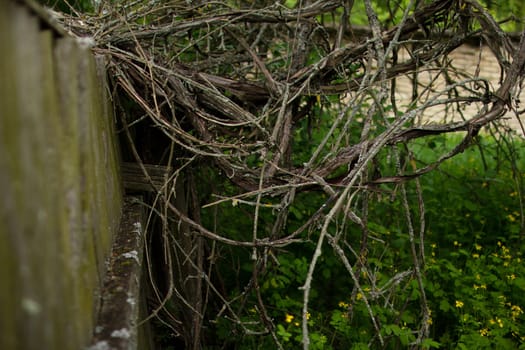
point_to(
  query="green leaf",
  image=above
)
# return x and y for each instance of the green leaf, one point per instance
(283, 333)
(444, 305)
(520, 283)
(430, 343)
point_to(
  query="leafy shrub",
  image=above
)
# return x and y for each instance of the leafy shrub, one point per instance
(474, 278)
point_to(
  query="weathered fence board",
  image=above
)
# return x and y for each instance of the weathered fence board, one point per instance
(60, 191)
(122, 305)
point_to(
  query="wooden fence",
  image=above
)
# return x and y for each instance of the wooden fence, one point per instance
(60, 191)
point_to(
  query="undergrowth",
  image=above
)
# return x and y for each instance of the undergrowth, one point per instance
(474, 277)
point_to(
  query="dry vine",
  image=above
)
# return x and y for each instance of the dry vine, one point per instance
(228, 84)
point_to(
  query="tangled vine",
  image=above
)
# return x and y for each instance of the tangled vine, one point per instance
(231, 91)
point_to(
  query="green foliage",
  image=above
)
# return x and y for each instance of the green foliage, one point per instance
(511, 11)
(475, 239)
(70, 6)
(474, 276)
(477, 296)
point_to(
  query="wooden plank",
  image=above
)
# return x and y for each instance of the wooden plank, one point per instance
(9, 296)
(61, 191)
(117, 325)
(134, 178)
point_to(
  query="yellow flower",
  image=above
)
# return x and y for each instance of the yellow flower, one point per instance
(343, 304)
(515, 311)
(429, 321)
(498, 321)
(459, 304)
(511, 277)
(433, 245)
(483, 332)
(359, 296)
(289, 318)
(477, 246)
(475, 256)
